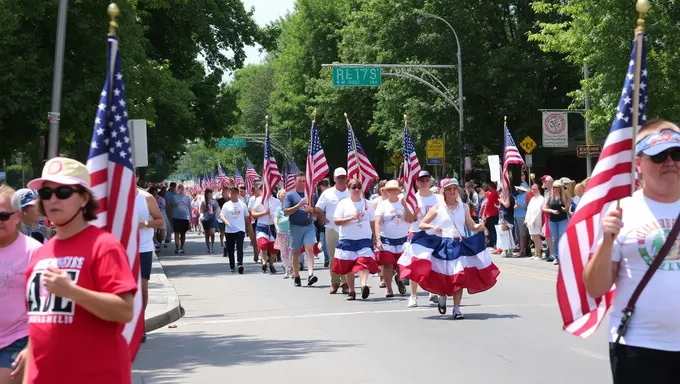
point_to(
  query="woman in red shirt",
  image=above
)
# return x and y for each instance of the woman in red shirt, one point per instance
(79, 288)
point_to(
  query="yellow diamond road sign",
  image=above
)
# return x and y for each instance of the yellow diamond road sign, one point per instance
(528, 144)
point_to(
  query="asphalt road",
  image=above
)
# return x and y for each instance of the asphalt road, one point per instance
(256, 328)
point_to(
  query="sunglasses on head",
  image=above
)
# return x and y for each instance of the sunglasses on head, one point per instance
(659, 158)
(4, 216)
(63, 192)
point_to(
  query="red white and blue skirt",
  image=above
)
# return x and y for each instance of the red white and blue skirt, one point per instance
(443, 265)
(352, 256)
(391, 250)
(266, 236)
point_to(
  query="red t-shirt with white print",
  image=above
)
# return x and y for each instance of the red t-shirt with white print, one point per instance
(68, 343)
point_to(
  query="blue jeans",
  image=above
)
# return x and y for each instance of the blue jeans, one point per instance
(557, 229)
(322, 236)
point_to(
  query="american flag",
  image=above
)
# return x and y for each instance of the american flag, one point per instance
(611, 180)
(411, 170)
(510, 156)
(358, 165)
(251, 176)
(270, 171)
(291, 169)
(317, 166)
(221, 176)
(113, 180)
(238, 179)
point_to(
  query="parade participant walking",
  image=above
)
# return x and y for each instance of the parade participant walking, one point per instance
(392, 221)
(557, 207)
(426, 200)
(79, 287)
(16, 250)
(208, 211)
(265, 232)
(325, 209)
(30, 215)
(224, 197)
(282, 243)
(323, 185)
(441, 260)
(181, 210)
(149, 218)
(170, 199)
(534, 220)
(354, 254)
(160, 201)
(302, 231)
(236, 218)
(633, 235)
(254, 194)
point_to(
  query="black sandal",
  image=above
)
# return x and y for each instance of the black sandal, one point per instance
(272, 269)
(365, 292)
(264, 268)
(389, 294)
(441, 304)
(352, 296)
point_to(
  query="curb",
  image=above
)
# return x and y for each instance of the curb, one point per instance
(173, 310)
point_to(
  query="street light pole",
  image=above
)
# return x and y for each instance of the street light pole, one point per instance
(54, 115)
(461, 115)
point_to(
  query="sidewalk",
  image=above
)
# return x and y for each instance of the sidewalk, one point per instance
(164, 306)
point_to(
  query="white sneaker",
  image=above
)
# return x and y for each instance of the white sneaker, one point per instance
(457, 315)
(412, 302)
(434, 298)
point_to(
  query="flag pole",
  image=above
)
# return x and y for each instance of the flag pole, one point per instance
(642, 7)
(267, 207)
(354, 147)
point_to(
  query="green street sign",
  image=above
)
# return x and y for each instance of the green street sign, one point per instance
(237, 142)
(369, 76)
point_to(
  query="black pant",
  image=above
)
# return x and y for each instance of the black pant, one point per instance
(234, 240)
(643, 365)
(491, 227)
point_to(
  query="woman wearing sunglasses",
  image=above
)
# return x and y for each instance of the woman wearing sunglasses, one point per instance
(79, 287)
(16, 249)
(354, 252)
(441, 260)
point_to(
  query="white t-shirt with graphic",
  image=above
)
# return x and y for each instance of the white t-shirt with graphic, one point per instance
(655, 324)
(393, 224)
(356, 229)
(237, 215)
(328, 202)
(424, 206)
(259, 207)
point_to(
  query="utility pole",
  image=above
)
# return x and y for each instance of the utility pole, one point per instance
(55, 111)
(589, 164)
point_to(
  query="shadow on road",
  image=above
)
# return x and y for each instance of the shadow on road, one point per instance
(474, 316)
(166, 354)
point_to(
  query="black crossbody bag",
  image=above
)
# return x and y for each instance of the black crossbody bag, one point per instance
(658, 259)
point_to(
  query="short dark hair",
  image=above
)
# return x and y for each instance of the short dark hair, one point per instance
(324, 182)
(173, 184)
(299, 174)
(234, 189)
(89, 211)
(354, 182)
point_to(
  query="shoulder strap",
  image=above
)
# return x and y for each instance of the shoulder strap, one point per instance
(658, 259)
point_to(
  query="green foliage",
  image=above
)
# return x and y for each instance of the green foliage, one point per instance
(600, 33)
(17, 176)
(200, 158)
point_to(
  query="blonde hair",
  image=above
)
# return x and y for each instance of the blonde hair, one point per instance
(6, 190)
(282, 192)
(579, 189)
(655, 126)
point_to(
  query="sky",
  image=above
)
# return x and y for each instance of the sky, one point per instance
(265, 12)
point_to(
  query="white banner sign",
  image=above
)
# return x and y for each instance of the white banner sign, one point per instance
(555, 132)
(495, 168)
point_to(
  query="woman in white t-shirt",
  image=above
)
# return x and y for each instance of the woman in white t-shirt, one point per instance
(392, 218)
(631, 237)
(354, 253)
(265, 231)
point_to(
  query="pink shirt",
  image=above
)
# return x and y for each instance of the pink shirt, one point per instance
(13, 264)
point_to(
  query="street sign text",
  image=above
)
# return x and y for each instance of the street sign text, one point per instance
(236, 142)
(593, 150)
(435, 152)
(357, 76)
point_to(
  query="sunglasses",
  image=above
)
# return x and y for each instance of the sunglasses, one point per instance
(4, 216)
(355, 187)
(659, 158)
(62, 193)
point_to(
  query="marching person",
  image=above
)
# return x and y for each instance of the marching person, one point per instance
(302, 231)
(208, 210)
(263, 212)
(16, 250)
(79, 287)
(236, 218)
(325, 209)
(441, 260)
(649, 351)
(392, 219)
(426, 200)
(282, 243)
(181, 214)
(149, 217)
(354, 254)
(255, 192)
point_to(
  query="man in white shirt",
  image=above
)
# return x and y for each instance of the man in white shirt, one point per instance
(236, 219)
(426, 200)
(649, 352)
(325, 208)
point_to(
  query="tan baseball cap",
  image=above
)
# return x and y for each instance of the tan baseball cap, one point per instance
(392, 184)
(62, 170)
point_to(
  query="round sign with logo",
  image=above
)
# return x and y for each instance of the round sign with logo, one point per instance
(555, 132)
(555, 123)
